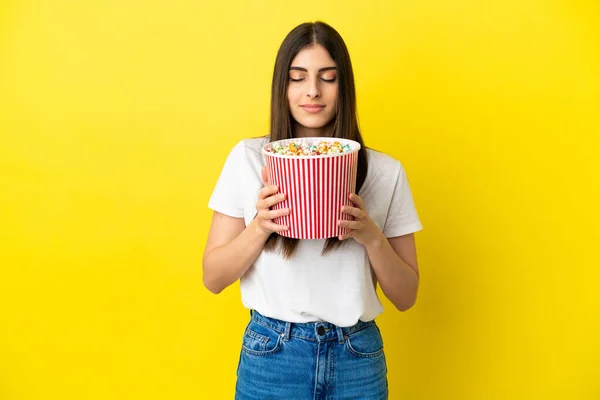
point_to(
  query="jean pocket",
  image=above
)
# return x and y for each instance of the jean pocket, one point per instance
(365, 343)
(260, 341)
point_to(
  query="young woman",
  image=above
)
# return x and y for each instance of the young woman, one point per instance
(312, 333)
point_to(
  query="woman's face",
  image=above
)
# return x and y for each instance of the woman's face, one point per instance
(313, 92)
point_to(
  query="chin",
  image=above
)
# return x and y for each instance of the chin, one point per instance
(312, 124)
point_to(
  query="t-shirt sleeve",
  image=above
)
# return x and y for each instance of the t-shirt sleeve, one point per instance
(227, 195)
(402, 217)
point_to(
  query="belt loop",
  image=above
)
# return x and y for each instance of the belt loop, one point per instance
(340, 334)
(288, 329)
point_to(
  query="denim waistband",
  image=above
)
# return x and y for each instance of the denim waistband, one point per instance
(317, 331)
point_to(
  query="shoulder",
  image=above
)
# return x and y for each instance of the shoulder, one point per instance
(382, 163)
(248, 150)
(253, 144)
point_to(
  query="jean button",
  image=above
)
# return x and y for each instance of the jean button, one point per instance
(320, 331)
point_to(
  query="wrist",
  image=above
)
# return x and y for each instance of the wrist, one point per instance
(256, 228)
(377, 242)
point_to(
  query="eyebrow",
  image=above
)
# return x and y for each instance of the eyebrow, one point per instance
(305, 70)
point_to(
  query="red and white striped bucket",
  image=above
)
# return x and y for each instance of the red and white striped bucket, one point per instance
(316, 187)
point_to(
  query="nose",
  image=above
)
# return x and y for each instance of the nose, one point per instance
(313, 89)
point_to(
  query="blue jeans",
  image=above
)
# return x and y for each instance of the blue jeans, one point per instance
(317, 360)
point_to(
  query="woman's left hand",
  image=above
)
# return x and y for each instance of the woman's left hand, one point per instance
(362, 229)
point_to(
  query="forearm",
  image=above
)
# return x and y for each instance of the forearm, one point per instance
(398, 280)
(225, 264)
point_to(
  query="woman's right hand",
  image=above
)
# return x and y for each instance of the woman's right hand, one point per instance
(267, 198)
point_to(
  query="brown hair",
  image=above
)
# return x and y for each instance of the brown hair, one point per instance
(346, 123)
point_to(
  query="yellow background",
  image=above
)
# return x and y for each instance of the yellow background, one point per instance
(115, 120)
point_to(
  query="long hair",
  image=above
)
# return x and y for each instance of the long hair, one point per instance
(345, 124)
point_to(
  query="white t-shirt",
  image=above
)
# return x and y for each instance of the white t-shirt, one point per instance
(337, 287)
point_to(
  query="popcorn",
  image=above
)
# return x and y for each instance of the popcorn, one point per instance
(303, 148)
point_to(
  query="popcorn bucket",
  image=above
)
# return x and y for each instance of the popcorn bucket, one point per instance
(317, 186)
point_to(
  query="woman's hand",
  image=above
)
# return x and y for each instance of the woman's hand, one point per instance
(267, 198)
(362, 229)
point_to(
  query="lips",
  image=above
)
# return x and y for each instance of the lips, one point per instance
(312, 108)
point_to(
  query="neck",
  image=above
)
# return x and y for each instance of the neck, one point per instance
(303, 131)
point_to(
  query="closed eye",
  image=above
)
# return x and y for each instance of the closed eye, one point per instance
(331, 80)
